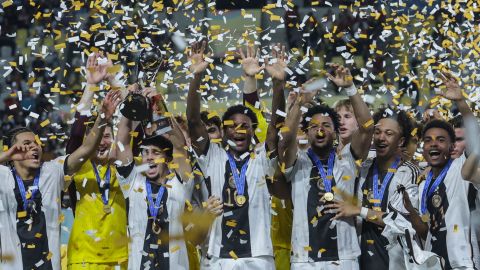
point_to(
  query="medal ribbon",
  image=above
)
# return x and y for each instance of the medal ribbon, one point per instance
(378, 195)
(21, 187)
(153, 207)
(107, 182)
(239, 179)
(318, 163)
(427, 193)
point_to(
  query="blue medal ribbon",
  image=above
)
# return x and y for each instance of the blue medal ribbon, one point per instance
(318, 163)
(107, 182)
(427, 193)
(239, 179)
(153, 207)
(378, 194)
(21, 187)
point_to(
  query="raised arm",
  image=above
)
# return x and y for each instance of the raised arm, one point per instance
(91, 142)
(276, 68)
(453, 92)
(180, 153)
(95, 73)
(287, 146)
(251, 67)
(361, 139)
(197, 130)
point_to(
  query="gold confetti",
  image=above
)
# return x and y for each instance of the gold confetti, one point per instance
(233, 255)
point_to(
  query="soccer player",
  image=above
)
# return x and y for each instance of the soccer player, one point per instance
(444, 219)
(348, 123)
(240, 238)
(378, 186)
(99, 229)
(156, 192)
(281, 224)
(30, 194)
(321, 175)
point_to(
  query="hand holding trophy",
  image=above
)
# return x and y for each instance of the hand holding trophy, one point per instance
(136, 106)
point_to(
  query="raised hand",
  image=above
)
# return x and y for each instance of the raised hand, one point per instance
(96, 72)
(197, 58)
(276, 66)
(17, 152)
(453, 91)
(177, 137)
(342, 77)
(250, 62)
(110, 103)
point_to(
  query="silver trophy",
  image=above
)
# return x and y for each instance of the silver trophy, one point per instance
(137, 107)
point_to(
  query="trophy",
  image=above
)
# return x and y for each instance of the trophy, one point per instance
(137, 107)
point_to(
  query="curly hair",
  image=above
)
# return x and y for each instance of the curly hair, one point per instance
(437, 123)
(240, 109)
(402, 118)
(324, 110)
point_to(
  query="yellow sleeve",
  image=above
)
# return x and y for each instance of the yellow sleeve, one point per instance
(261, 131)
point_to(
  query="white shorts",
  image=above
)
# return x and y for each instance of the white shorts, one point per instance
(330, 265)
(252, 263)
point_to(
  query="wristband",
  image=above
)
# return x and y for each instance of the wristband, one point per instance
(351, 90)
(364, 212)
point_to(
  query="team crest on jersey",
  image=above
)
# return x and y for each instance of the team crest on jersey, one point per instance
(436, 200)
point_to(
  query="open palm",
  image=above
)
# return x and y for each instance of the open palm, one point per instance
(342, 77)
(110, 103)
(453, 91)
(96, 72)
(276, 66)
(250, 63)
(197, 59)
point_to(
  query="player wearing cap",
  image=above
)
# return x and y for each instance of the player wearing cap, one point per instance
(320, 176)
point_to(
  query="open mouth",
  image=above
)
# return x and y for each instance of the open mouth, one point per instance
(381, 146)
(342, 130)
(238, 140)
(434, 153)
(35, 156)
(102, 151)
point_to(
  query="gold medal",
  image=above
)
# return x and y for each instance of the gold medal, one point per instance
(156, 228)
(436, 200)
(107, 209)
(328, 196)
(240, 200)
(231, 182)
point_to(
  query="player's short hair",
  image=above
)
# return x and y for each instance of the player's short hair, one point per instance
(320, 109)
(437, 123)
